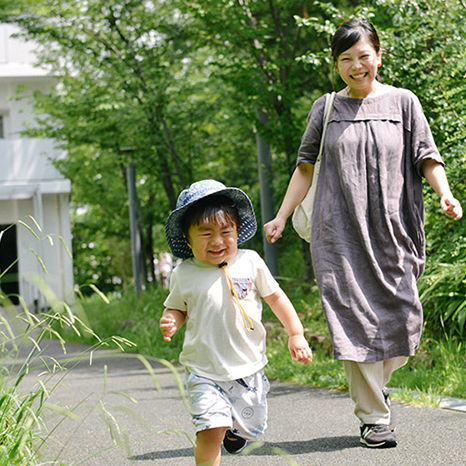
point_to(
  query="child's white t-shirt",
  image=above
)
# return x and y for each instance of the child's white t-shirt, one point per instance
(216, 344)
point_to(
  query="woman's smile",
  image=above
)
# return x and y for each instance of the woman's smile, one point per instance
(358, 68)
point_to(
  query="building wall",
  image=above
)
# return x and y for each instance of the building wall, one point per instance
(15, 50)
(30, 186)
(26, 160)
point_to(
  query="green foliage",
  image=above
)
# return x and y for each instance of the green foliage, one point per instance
(254, 47)
(134, 82)
(437, 369)
(129, 87)
(178, 84)
(100, 257)
(443, 294)
(17, 420)
(423, 51)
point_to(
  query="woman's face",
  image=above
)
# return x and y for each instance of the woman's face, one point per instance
(358, 68)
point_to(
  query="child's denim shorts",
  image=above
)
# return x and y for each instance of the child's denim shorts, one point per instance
(240, 405)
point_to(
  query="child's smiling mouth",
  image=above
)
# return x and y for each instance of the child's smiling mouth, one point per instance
(217, 253)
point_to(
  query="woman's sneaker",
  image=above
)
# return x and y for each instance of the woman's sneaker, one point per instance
(377, 436)
(234, 443)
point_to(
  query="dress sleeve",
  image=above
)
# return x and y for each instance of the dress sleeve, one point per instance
(310, 142)
(423, 144)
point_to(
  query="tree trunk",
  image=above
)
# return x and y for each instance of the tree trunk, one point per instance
(309, 276)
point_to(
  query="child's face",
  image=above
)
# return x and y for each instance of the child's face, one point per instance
(213, 243)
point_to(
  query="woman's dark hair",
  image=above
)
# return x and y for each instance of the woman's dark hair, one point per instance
(351, 32)
(217, 209)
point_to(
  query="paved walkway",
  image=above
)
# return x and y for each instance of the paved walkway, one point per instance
(315, 427)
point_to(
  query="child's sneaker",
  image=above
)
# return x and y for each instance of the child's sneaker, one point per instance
(234, 443)
(386, 396)
(377, 436)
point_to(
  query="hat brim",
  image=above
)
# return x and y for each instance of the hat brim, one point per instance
(174, 230)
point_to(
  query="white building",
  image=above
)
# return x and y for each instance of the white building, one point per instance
(30, 187)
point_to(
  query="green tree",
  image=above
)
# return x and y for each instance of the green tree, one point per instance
(130, 84)
(255, 49)
(423, 51)
(172, 84)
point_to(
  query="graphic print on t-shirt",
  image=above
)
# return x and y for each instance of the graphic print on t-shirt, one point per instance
(242, 286)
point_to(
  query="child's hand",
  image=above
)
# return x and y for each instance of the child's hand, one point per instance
(299, 349)
(451, 207)
(168, 327)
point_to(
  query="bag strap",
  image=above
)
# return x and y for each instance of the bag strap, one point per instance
(328, 106)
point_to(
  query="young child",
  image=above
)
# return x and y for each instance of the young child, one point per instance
(217, 289)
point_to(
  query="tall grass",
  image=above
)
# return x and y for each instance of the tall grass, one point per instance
(23, 431)
(21, 413)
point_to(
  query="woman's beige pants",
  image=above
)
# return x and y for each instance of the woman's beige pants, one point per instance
(366, 381)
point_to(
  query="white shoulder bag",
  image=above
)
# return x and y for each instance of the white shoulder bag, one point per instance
(301, 218)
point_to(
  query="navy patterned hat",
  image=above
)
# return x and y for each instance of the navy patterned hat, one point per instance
(200, 190)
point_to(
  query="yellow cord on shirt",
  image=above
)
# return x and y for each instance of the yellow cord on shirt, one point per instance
(244, 315)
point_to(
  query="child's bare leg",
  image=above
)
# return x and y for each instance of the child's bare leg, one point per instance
(208, 443)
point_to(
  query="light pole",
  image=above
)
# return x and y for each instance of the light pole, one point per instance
(265, 180)
(136, 246)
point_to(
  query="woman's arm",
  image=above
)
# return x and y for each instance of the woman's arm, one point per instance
(297, 189)
(437, 178)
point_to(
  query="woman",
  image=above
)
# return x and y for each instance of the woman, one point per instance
(368, 245)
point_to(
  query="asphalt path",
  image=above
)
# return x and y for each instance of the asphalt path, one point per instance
(122, 419)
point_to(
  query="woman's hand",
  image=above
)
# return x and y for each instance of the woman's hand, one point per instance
(436, 177)
(451, 207)
(273, 229)
(297, 190)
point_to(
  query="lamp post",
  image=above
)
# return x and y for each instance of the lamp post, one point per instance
(265, 180)
(136, 246)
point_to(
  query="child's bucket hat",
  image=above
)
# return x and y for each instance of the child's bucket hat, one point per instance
(200, 190)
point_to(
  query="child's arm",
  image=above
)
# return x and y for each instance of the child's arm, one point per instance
(171, 321)
(436, 177)
(284, 310)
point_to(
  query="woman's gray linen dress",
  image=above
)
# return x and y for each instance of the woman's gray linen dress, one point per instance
(368, 245)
